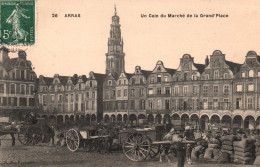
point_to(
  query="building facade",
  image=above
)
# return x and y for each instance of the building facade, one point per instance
(70, 99)
(17, 85)
(217, 91)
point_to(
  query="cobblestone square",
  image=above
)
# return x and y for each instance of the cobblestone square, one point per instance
(45, 155)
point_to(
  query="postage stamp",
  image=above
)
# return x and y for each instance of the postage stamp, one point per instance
(17, 22)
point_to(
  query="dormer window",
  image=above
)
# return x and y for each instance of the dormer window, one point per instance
(243, 74)
(133, 81)
(159, 69)
(90, 83)
(141, 80)
(194, 77)
(226, 76)
(109, 83)
(22, 74)
(22, 64)
(31, 77)
(216, 75)
(251, 73)
(124, 82)
(185, 76)
(206, 76)
(159, 78)
(119, 82)
(166, 79)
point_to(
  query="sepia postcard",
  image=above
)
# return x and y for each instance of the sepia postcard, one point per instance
(114, 83)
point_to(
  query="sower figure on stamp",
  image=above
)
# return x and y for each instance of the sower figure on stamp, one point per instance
(15, 20)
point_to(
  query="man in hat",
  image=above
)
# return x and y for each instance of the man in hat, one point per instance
(31, 118)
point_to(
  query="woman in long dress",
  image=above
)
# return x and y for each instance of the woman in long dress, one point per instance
(14, 19)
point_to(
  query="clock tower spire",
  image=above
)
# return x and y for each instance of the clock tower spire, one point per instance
(115, 57)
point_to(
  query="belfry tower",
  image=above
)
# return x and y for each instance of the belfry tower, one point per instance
(115, 57)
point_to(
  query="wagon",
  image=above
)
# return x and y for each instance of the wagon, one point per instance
(33, 134)
(141, 144)
(86, 138)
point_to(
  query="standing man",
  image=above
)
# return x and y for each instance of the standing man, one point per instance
(180, 152)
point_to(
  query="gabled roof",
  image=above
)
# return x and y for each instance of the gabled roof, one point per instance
(171, 71)
(115, 76)
(48, 80)
(200, 67)
(99, 77)
(9, 65)
(128, 75)
(146, 73)
(84, 79)
(234, 67)
(63, 79)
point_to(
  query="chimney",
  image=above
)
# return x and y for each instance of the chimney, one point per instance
(207, 61)
(4, 54)
(22, 54)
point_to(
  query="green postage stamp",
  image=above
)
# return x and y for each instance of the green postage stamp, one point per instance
(17, 22)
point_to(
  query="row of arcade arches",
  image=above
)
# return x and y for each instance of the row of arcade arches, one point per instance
(88, 118)
(249, 122)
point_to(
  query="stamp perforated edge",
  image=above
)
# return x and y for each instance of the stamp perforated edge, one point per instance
(35, 29)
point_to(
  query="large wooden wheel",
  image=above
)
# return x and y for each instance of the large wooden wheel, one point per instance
(155, 150)
(30, 136)
(72, 140)
(136, 147)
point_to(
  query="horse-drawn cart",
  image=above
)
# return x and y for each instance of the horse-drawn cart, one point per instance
(141, 144)
(87, 138)
(32, 134)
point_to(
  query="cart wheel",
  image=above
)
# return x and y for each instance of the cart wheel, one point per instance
(72, 140)
(154, 151)
(136, 147)
(32, 136)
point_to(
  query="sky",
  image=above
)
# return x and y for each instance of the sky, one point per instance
(68, 46)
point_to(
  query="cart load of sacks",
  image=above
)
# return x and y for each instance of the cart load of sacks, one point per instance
(229, 148)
